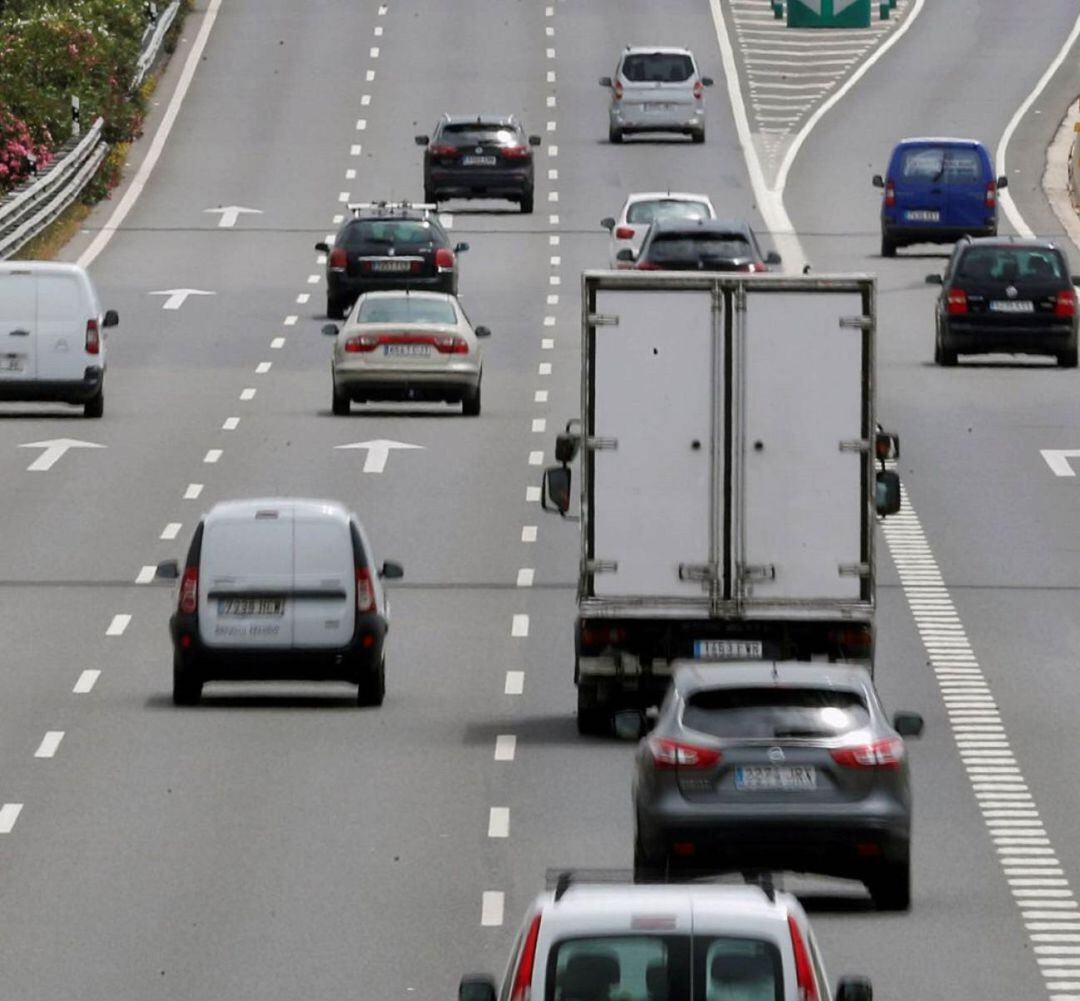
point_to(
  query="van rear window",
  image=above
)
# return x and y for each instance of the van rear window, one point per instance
(657, 67)
(943, 164)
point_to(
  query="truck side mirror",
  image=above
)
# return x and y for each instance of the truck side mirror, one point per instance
(556, 488)
(877, 181)
(908, 724)
(167, 570)
(886, 445)
(887, 492)
(854, 989)
(476, 987)
(566, 447)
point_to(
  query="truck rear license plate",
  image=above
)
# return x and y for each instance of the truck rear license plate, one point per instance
(244, 607)
(765, 778)
(727, 649)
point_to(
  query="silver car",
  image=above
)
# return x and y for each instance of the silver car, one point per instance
(407, 345)
(656, 89)
(777, 766)
(641, 210)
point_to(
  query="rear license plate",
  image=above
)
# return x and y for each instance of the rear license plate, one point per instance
(727, 649)
(245, 607)
(393, 266)
(407, 350)
(11, 363)
(923, 215)
(478, 161)
(1012, 306)
(659, 106)
(786, 778)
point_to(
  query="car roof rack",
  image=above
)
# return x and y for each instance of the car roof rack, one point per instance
(560, 880)
(763, 880)
(388, 206)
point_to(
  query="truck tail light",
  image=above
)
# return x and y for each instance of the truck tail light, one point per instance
(522, 986)
(596, 636)
(444, 259)
(890, 194)
(339, 260)
(804, 972)
(669, 754)
(365, 590)
(93, 338)
(624, 233)
(189, 592)
(1066, 303)
(887, 754)
(956, 304)
(853, 642)
(991, 194)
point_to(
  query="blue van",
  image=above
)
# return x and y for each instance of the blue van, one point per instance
(936, 191)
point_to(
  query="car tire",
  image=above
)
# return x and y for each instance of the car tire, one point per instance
(592, 720)
(335, 307)
(890, 887)
(1067, 359)
(372, 688)
(614, 136)
(888, 248)
(698, 135)
(187, 685)
(947, 357)
(95, 406)
(646, 869)
(340, 403)
(470, 402)
(527, 202)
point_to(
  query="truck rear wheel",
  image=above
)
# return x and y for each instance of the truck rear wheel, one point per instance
(592, 720)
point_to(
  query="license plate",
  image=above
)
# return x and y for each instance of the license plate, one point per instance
(407, 350)
(1012, 306)
(11, 363)
(727, 649)
(786, 778)
(478, 161)
(658, 106)
(923, 215)
(245, 607)
(393, 266)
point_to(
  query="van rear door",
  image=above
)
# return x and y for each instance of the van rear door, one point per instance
(967, 173)
(918, 174)
(246, 580)
(18, 326)
(63, 311)
(324, 582)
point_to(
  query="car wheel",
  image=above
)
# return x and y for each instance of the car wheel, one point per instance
(947, 357)
(614, 135)
(1067, 359)
(372, 688)
(527, 202)
(646, 869)
(335, 307)
(186, 686)
(340, 403)
(95, 406)
(470, 402)
(592, 720)
(890, 888)
(888, 248)
(698, 136)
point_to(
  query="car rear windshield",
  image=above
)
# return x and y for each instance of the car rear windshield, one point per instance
(666, 208)
(657, 67)
(649, 967)
(406, 309)
(414, 233)
(694, 246)
(942, 164)
(467, 133)
(1009, 264)
(772, 713)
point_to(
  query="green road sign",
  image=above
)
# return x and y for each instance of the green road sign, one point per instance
(828, 14)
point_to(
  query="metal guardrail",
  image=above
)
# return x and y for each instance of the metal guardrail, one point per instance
(151, 47)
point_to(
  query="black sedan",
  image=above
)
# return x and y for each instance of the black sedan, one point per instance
(479, 156)
(388, 245)
(1008, 295)
(776, 766)
(700, 245)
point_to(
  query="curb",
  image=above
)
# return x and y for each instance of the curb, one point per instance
(1061, 179)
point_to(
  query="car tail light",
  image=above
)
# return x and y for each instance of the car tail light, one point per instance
(339, 260)
(444, 259)
(452, 345)
(648, 266)
(522, 988)
(624, 232)
(804, 972)
(515, 152)
(189, 591)
(1066, 303)
(956, 304)
(365, 590)
(361, 343)
(699, 90)
(887, 753)
(618, 90)
(754, 267)
(890, 194)
(991, 194)
(852, 641)
(443, 149)
(596, 637)
(93, 338)
(668, 754)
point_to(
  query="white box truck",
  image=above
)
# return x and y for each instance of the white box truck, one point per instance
(729, 481)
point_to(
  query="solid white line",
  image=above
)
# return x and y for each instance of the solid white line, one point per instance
(157, 144)
(515, 683)
(145, 575)
(491, 909)
(499, 822)
(118, 625)
(519, 626)
(505, 747)
(86, 682)
(49, 744)
(9, 813)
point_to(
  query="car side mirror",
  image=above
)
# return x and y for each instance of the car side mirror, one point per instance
(772, 257)
(323, 247)
(391, 570)
(111, 318)
(482, 331)
(476, 987)
(607, 223)
(421, 140)
(460, 248)
(1075, 279)
(935, 280)
(167, 570)
(878, 181)
(887, 492)
(854, 989)
(556, 488)
(534, 140)
(566, 447)
(1002, 182)
(330, 329)
(626, 254)
(908, 724)
(707, 81)
(605, 81)
(886, 445)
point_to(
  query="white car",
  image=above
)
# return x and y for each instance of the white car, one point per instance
(407, 345)
(629, 228)
(695, 942)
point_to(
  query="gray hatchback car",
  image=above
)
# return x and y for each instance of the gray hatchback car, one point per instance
(788, 766)
(656, 89)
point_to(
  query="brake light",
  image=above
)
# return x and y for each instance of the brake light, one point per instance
(754, 267)
(851, 641)
(365, 590)
(189, 591)
(443, 149)
(699, 90)
(93, 338)
(597, 637)
(515, 152)
(1066, 303)
(444, 259)
(675, 754)
(887, 753)
(956, 304)
(361, 343)
(618, 91)
(522, 988)
(648, 266)
(804, 972)
(339, 260)
(624, 232)
(452, 346)
(890, 194)
(991, 194)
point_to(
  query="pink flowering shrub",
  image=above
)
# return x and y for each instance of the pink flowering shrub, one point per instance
(16, 145)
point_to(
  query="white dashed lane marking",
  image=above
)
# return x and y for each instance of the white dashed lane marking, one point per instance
(491, 908)
(499, 822)
(86, 682)
(519, 626)
(515, 683)
(213, 455)
(536, 458)
(230, 424)
(247, 394)
(532, 496)
(525, 577)
(118, 625)
(263, 367)
(193, 490)
(277, 343)
(145, 575)
(171, 530)
(505, 747)
(9, 813)
(49, 744)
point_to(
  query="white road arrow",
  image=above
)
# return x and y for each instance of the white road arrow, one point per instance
(230, 213)
(1058, 460)
(53, 451)
(378, 452)
(176, 296)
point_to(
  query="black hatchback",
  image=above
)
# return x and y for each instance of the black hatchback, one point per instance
(700, 245)
(388, 245)
(482, 156)
(1006, 295)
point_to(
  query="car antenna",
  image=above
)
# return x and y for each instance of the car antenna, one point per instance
(562, 884)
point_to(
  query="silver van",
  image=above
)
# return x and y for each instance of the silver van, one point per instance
(656, 89)
(280, 589)
(52, 335)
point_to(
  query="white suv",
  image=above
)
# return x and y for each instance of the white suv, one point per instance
(664, 943)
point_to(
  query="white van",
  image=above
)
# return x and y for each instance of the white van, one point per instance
(284, 589)
(52, 335)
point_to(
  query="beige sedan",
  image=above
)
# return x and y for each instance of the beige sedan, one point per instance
(405, 345)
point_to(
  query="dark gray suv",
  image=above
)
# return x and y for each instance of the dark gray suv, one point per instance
(787, 766)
